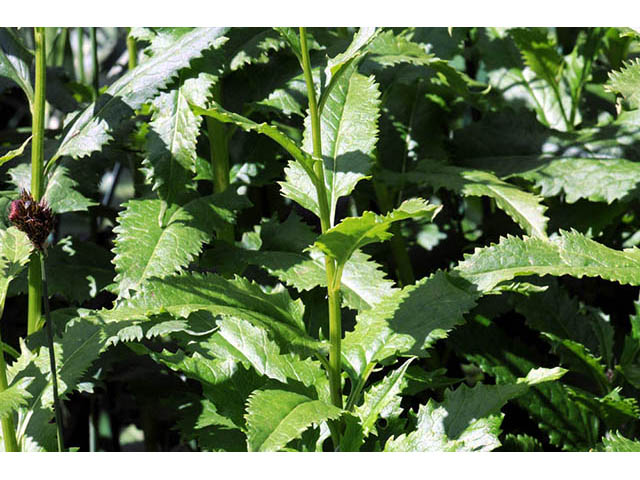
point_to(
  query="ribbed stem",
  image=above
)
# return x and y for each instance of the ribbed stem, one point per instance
(37, 178)
(219, 149)
(333, 280)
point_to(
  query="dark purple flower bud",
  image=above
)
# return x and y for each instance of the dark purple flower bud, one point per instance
(33, 218)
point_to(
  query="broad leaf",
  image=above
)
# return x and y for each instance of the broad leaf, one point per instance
(408, 321)
(525, 208)
(275, 417)
(146, 248)
(468, 419)
(250, 345)
(171, 141)
(570, 253)
(15, 62)
(89, 130)
(181, 295)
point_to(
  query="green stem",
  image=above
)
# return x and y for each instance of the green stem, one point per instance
(8, 428)
(219, 158)
(52, 357)
(37, 158)
(333, 276)
(132, 49)
(80, 54)
(94, 61)
(61, 47)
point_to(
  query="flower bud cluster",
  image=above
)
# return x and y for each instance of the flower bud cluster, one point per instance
(33, 218)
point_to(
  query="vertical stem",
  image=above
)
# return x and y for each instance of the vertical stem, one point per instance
(94, 60)
(8, 428)
(333, 280)
(80, 54)
(219, 149)
(37, 158)
(132, 49)
(52, 356)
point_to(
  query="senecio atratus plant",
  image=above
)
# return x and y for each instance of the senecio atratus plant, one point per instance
(324, 239)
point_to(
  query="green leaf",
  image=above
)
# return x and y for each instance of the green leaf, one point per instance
(616, 442)
(570, 253)
(388, 49)
(275, 417)
(595, 179)
(14, 397)
(76, 349)
(614, 409)
(282, 254)
(430, 433)
(469, 418)
(408, 321)
(568, 423)
(14, 153)
(60, 192)
(226, 385)
(348, 126)
(303, 160)
(340, 62)
(247, 47)
(554, 311)
(15, 250)
(539, 52)
(250, 345)
(626, 82)
(382, 399)
(341, 241)
(524, 208)
(181, 295)
(15, 62)
(145, 249)
(171, 141)
(76, 270)
(89, 130)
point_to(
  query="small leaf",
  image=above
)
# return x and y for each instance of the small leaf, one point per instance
(381, 399)
(627, 82)
(14, 397)
(615, 442)
(341, 241)
(14, 153)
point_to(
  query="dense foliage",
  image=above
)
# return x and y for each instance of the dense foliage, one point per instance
(313, 240)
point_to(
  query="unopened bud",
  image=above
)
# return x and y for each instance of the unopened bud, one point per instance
(33, 218)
